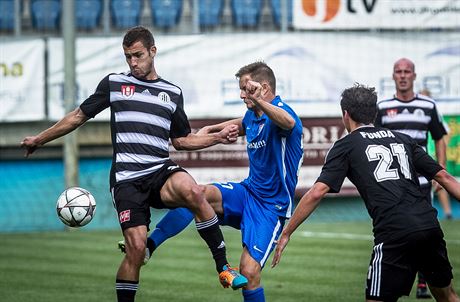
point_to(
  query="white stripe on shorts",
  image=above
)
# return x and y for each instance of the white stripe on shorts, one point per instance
(376, 270)
(267, 251)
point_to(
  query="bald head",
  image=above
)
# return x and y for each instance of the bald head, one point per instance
(405, 62)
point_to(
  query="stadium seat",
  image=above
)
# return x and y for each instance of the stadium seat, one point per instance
(6, 14)
(210, 12)
(126, 13)
(166, 13)
(46, 14)
(246, 13)
(88, 13)
(276, 12)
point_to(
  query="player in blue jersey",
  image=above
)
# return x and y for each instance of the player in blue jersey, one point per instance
(260, 204)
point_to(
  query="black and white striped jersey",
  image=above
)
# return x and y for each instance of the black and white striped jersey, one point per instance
(415, 118)
(144, 116)
(383, 165)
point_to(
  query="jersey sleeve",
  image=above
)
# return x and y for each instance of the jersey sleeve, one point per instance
(424, 164)
(180, 126)
(98, 101)
(284, 132)
(436, 126)
(335, 168)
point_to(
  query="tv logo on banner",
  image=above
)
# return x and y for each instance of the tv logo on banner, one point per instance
(365, 14)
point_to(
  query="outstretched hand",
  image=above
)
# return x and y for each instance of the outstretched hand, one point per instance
(281, 244)
(29, 144)
(229, 134)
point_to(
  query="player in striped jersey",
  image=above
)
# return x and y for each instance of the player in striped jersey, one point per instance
(382, 164)
(415, 115)
(146, 113)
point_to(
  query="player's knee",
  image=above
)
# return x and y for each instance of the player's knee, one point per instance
(135, 250)
(253, 276)
(195, 196)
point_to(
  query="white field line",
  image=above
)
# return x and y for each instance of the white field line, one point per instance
(350, 236)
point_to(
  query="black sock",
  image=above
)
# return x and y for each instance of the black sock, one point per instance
(126, 290)
(151, 245)
(210, 231)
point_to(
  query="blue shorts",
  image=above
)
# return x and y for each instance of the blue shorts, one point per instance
(259, 226)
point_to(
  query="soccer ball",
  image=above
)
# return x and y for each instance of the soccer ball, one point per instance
(76, 207)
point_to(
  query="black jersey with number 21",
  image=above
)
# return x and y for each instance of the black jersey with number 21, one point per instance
(382, 164)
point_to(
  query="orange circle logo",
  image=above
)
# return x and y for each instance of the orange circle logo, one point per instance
(332, 8)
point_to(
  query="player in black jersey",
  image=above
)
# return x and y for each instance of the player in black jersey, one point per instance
(146, 113)
(415, 115)
(383, 165)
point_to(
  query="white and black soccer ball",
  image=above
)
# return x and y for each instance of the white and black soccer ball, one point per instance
(76, 207)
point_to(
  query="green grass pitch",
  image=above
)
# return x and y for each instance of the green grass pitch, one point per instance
(323, 262)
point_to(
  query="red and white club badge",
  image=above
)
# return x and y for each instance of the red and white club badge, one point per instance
(392, 112)
(125, 216)
(127, 90)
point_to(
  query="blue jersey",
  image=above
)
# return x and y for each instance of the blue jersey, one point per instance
(275, 156)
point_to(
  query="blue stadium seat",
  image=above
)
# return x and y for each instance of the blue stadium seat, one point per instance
(46, 14)
(88, 13)
(276, 12)
(246, 13)
(126, 13)
(210, 12)
(6, 14)
(166, 13)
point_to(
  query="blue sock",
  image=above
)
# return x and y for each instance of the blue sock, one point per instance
(171, 224)
(255, 295)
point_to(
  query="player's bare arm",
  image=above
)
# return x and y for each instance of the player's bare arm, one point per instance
(67, 124)
(440, 146)
(449, 183)
(219, 127)
(306, 206)
(279, 116)
(193, 141)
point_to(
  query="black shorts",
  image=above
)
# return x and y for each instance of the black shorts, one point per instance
(394, 265)
(134, 198)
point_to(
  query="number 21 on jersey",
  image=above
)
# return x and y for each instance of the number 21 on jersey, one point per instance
(385, 157)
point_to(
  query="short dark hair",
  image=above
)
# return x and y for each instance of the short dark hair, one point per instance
(259, 71)
(138, 33)
(360, 102)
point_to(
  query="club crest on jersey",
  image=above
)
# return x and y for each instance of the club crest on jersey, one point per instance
(261, 126)
(392, 112)
(125, 216)
(164, 97)
(127, 90)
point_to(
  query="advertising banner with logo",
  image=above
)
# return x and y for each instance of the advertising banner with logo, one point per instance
(311, 68)
(22, 80)
(378, 14)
